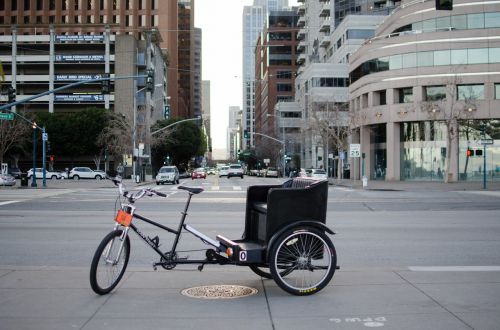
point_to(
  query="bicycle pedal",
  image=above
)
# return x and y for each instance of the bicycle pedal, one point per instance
(154, 267)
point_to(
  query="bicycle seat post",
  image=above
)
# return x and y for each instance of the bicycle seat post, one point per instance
(183, 218)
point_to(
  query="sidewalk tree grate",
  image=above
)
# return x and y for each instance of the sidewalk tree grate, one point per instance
(219, 292)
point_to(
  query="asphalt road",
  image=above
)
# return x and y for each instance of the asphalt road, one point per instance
(374, 228)
(409, 260)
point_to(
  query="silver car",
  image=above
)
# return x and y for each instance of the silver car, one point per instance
(167, 174)
(7, 180)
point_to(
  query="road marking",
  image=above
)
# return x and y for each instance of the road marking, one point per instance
(454, 268)
(215, 187)
(9, 202)
(236, 188)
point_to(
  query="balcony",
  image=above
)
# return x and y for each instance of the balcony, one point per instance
(325, 10)
(301, 59)
(325, 41)
(301, 46)
(325, 25)
(301, 22)
(302, 34)
(301, 11)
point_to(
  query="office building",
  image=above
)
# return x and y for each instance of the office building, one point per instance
(425, 94)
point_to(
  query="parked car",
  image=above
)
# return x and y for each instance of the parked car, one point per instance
(199, 173)
(7, 180)
(223, 171)
(168, 174)
(48, 174)
(318, 174)
(184, 174)
(235, 170)
(210, 170)
(78, 173)
(272, 172)
(15, 172)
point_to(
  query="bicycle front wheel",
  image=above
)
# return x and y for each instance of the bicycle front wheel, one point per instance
(307, 257)
(109, 262)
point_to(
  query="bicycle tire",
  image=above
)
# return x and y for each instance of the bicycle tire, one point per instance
(308, 258)
(104, 276)
(261, 272)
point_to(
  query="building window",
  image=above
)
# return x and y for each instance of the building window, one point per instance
(435, 93)
(26, 19)
(26, 4)
(77, 4)
(477, 56)
(52, 5)
(284, 75)
(65, 5)
(13, 5)
(405, 95)
(116, 4)
(52, 19)
(39, 19)
(154, 5)
(470, 92)
(379, 98)
(39, 4)
(497, 91)
(101, 4)
(284, 87)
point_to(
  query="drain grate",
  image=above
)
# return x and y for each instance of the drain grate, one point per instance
(219, 292)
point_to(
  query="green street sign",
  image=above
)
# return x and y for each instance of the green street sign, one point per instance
(6, 116)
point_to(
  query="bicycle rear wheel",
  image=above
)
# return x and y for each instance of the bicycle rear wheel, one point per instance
(109, 263)
(307, 257)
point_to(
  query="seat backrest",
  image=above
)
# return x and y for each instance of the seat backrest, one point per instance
(298, 199)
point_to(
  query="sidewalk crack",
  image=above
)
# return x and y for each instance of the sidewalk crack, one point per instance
(434, 300)
(268, 306)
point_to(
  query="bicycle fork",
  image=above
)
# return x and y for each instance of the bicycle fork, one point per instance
(130, 210)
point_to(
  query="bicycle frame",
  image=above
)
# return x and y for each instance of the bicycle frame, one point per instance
(154, 245)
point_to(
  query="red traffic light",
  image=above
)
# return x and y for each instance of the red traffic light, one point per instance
(470, 153)
(52, 158)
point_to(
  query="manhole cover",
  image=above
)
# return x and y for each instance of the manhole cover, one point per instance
(219, 291)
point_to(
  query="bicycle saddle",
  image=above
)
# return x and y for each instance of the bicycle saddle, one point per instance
(193, 190)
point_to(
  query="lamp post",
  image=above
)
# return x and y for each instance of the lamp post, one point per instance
(33, 177)
(281, 123)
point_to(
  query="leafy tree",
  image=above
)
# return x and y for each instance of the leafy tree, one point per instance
(74, 134)
(180, 142)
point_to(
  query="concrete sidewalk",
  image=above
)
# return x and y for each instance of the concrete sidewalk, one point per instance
(61, 298)
(416, 185)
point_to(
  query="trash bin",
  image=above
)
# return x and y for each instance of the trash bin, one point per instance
(24, 179)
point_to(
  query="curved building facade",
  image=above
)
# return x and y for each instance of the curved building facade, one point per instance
(425, 94)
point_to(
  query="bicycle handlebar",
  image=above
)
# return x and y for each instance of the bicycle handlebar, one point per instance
(132, 197)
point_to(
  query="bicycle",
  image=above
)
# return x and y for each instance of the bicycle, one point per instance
(295, 252)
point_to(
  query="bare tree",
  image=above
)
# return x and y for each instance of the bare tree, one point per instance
(330, 122)
(13, 134)
(117, 136)
(450, 107)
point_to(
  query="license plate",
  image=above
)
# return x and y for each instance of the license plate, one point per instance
(123, 218)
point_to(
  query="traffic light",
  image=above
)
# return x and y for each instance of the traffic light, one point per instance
(106, 85)
(11, 92)
(444, 4)
(150, 79)
(246, 134)
(52, 158)
(470, 153)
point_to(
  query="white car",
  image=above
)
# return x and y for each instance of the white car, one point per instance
(318, 174)
(7, 180)
(271, 172)
(168, 174)
(235, 170)
(223, 171)
(48, 174)
(78, 173)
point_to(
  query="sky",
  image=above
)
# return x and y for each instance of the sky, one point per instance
(221, 24)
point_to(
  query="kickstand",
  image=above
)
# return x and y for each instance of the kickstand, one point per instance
(200, 267)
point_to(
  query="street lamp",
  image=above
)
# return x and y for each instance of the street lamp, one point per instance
(282, 124)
